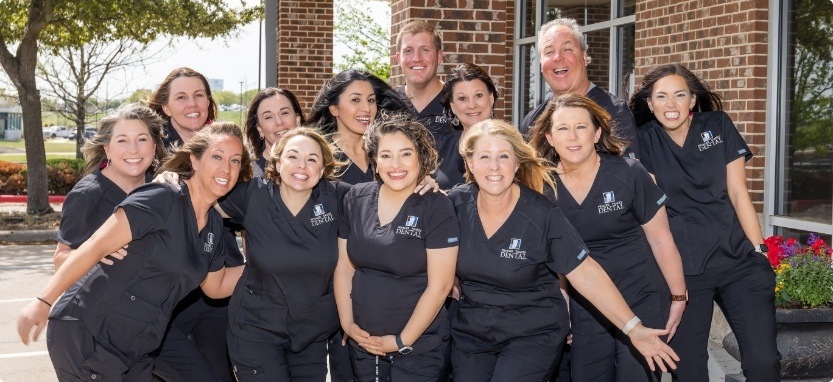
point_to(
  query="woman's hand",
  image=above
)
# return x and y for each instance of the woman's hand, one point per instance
(361, 337)
(118, 255)
(387, 344)
(32, 321)
(655, 351)
(677, 309)
(168, 177)
(428, 184)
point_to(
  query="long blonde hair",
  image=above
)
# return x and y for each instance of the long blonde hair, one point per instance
(533, 171)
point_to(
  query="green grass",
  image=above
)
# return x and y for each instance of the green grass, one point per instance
(233, 116)
(55, 148)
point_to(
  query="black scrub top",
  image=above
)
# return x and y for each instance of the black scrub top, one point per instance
(452, 168)
(508, 281)
(87, 206)
(622, 198)
(619, 112)
(703, 221)
(391, 260)
(286, 291)
(127, 306)
(171, 138)
(352, 174)
(432, 116)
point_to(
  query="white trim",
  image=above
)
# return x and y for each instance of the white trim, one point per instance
(803, 225)
(26, 354)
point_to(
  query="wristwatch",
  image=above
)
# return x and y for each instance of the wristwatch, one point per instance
(763, 248)
(680, 297)
(403, 350)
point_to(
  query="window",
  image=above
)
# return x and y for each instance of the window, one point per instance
(799, 190)
(608, 27)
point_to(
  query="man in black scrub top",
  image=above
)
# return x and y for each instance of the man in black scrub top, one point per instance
(564, 63)
(419, 54)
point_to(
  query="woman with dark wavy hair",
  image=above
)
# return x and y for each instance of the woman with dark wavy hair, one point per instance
(397, 251)
(697, 156)
(344, 108)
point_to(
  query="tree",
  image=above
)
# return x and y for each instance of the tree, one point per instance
(25, 26)
(75, 74)
(369, 42)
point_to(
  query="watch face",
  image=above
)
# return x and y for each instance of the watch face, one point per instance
(405, 350)
(763, 248)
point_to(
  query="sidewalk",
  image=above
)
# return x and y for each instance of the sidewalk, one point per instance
(27, 236)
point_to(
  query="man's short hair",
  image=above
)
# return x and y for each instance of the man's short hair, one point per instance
(419, 26)
(572, 24)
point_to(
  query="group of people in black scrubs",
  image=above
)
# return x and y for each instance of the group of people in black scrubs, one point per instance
(595, 236)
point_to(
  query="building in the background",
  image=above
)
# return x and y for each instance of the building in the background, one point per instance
(11, 117)
(771, 60)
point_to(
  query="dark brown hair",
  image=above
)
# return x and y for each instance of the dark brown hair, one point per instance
(707, 100)
(159, 98)
(251, 115)
(328, 160)
(180, 160)
(464, 73)
(417, 133)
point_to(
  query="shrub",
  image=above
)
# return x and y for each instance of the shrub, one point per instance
(803, 274)
(62, 174)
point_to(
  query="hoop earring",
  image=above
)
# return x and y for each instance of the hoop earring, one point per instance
(455, 121)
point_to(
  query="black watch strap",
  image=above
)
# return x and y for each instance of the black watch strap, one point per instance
(763, 248)
(399, 344)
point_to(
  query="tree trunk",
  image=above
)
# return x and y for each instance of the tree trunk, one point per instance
(36, 178)
(80, 118)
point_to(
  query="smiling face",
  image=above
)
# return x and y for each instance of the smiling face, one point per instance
(573, 136)
(218, 169)
(130, 150)
(275, 116)
(300, 164)
(356, 108)
(187, 104)
(419, 58)
(397, 162)
(563, 63)
(493, 164)
(471, 102)
(671, 102)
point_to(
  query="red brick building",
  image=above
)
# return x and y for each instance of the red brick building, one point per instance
(769, 59)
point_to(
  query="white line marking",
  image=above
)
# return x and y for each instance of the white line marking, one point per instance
(27, 354)
(16, 300)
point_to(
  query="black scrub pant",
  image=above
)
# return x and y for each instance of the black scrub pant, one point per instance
(77, 356)
(745, 294)
(194, 348)
(424, 367)
(339, 356)
(262, 361)
(526, 359)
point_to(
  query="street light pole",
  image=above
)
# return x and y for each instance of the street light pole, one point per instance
(241, 104)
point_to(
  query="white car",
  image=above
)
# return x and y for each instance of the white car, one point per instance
(56, 131)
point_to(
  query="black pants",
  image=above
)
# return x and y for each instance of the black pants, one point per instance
(77, 356)
(339, 355)
(745, 294)
(424, 367)
(262, 361)
(194, 348)
(531, 359)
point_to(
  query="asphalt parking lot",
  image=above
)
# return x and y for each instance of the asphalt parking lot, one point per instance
(24, 270)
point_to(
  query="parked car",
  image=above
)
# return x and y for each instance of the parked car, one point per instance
(57, 131)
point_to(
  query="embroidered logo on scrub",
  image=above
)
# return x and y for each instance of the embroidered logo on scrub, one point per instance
(709, 140)
(514, 251)
(610, 203)
(210, 244)
(321, 216)
(410, 227)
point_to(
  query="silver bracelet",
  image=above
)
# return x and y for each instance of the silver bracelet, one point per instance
(630, 325)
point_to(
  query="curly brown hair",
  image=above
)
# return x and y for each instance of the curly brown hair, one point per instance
(417, 133)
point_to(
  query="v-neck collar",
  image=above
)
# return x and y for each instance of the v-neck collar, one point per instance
(688, 135)
(285, 211)
(503, 227)
(374, 207)
(572, 198)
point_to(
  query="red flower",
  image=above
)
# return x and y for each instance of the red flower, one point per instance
(775, 243)
(818, 246)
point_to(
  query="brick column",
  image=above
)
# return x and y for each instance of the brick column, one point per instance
(305, 47)
(476, 31)
(725, 43)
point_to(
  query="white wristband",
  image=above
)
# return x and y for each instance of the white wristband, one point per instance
(630, 325)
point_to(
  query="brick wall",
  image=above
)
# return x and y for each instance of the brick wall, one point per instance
(477, 31)
(305, 47)
(725, 43)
